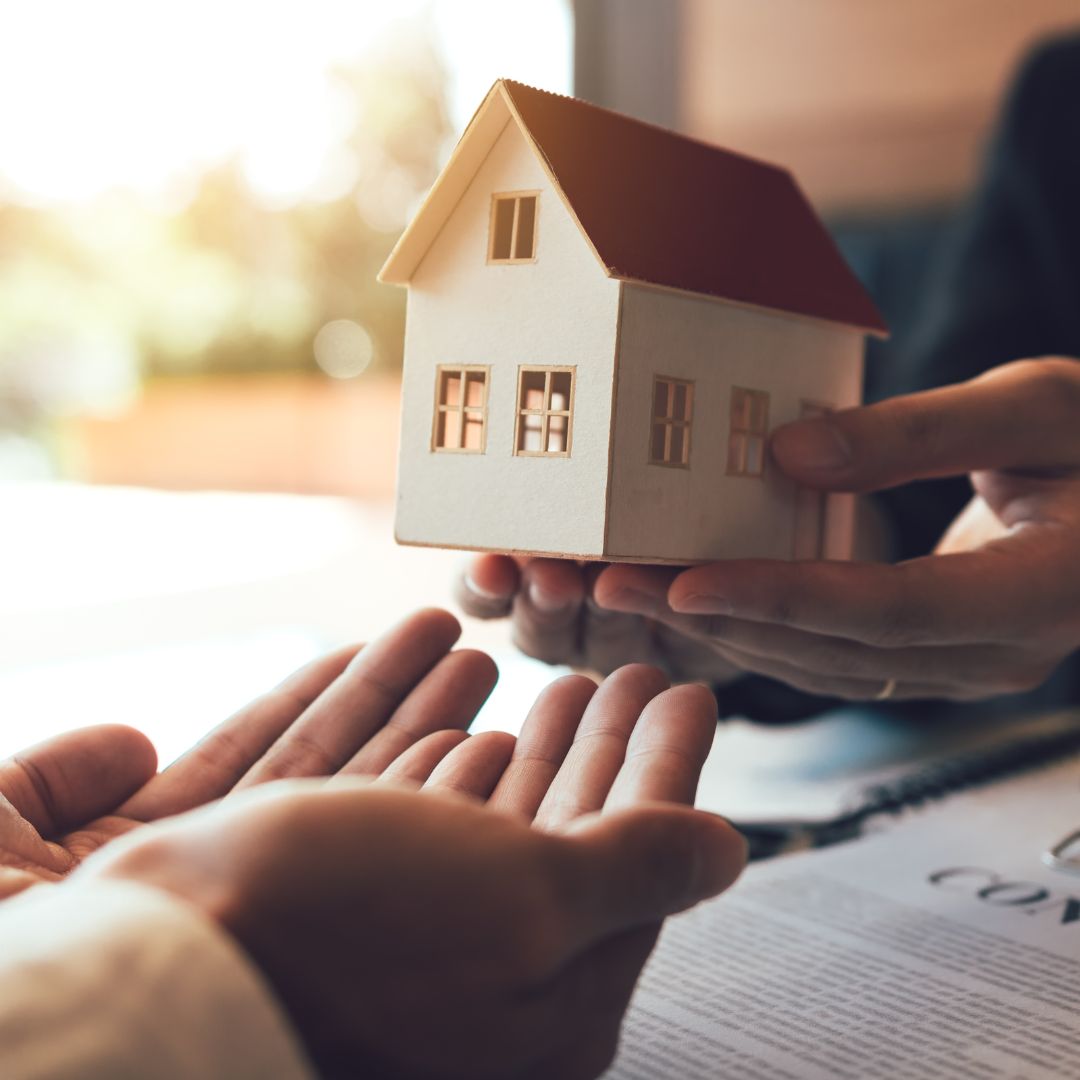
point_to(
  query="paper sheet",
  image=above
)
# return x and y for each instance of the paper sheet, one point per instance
(939, 950)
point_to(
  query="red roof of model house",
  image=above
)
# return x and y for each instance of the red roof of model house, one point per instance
(667, 210)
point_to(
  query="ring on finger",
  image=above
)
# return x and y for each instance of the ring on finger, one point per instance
(886, 691)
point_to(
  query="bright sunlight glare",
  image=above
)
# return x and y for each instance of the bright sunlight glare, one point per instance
(145, 96)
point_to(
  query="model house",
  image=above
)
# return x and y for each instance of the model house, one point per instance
(605, 320)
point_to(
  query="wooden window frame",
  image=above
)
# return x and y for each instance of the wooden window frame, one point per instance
(517, 196)
(669, 422)
(546, 412)
(464, 370)
(747, 434)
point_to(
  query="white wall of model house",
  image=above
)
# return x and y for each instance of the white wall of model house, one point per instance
(559, 310)
(563, 310)
(701, 512)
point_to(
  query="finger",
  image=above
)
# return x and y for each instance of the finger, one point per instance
(212, 768)
(990, 666)
(65, 782)
(944, 432)
(802, 676)
(449, 696)
(360, 701)
(688, 657)
(609, 639)
(546, 737)
(486, 587)
(679, 647)
(599, 748)
(474, 766)
(14, 881)
(547, 609)
(637, 588)
(416, 764)
(667, 749)
(933, 600)
(635, 867)
(853, 688)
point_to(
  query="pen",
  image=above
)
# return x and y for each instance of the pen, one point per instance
(1065, 854)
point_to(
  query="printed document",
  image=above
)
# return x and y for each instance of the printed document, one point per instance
(944, 947)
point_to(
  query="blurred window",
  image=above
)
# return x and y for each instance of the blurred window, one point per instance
(749, 425)
(673, 404)
(545, 411)
(513, 227)
(460, 409)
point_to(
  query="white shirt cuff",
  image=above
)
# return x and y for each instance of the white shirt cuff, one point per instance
(113, 979)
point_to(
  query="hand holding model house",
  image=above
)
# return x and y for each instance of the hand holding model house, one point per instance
(609, 325)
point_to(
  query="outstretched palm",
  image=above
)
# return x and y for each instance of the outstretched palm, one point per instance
(396, 710)
(354, 711)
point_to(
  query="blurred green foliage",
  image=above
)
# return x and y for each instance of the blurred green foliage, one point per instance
(96, 296)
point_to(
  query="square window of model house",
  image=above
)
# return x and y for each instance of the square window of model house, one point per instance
(460, 409)
(748, 431)
(513, 227)
(673, 404)
(545, 411)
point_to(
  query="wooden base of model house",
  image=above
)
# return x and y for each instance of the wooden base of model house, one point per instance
(604, 323)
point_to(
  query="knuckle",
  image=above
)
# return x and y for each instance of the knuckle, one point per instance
(915, 425)
(1051, 385)
(38, 783)
(296, 754)
(1055, 376)
(781, 607)
(1059, 384)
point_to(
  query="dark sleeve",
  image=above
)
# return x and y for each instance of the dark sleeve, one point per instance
(1007, 286)
(1008, 283)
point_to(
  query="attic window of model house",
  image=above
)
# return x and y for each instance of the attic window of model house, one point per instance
(460, 409)
(513, 228)
(673, 403)
(749, 427)
(545, 411)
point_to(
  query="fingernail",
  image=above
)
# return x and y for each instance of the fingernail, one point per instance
(811, 444)
(543, 600)
(702, 604)
(487, 594)
(632, 600)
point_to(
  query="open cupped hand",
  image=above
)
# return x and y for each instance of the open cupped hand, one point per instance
(352, 712)
(492, 924)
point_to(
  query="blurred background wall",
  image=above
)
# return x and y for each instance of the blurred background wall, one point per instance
(194, 199)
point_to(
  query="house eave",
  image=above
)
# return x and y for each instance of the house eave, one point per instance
(475, 143)
(870, 331)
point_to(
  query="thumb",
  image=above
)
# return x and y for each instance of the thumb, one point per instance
(1020, 415)
(638, 866)
(65, 782)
